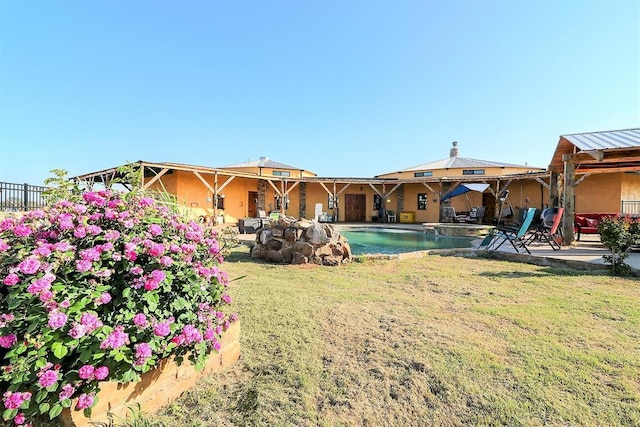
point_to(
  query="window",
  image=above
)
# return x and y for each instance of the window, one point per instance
(220, 202)
(330, 201)
(419, 174)
(278, 202)
(422, 201)
(377, 202)
(281, 173)
(473, 172)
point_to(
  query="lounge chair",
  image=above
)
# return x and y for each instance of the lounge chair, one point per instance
(517, 236)
(548, 233)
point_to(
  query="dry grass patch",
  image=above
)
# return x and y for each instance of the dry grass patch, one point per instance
(441, 341)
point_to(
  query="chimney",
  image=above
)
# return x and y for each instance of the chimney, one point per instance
(264, 158)
(454, 151)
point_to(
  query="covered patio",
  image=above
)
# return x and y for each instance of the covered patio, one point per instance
(592, 158)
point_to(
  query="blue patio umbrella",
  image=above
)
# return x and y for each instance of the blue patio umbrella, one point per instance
(464, 188)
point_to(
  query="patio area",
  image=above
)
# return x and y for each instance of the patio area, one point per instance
(585, 254)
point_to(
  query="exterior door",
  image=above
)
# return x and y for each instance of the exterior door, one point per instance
(252, 205)
(489, 202)
(355, 207)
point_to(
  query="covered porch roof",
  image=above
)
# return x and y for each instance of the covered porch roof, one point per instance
(599, 152)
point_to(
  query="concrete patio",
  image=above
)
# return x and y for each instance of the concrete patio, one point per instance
(585, 254)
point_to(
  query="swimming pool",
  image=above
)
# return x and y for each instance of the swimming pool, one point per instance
(365, 240)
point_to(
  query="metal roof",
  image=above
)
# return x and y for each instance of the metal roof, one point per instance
(262, 162)
(627, 138)
(459, 162)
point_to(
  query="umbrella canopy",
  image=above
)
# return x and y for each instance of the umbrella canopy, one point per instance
(464, 188)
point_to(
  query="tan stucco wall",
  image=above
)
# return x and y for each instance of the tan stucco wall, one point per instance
(599, 193)
(294, 173)
(519, 191)
(411, 192)
(197, 199)
(630, 187)
(317, 194)
(489, 171)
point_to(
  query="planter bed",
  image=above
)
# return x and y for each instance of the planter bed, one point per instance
(156, 388)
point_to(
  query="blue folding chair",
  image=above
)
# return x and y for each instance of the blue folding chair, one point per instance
(514, 235)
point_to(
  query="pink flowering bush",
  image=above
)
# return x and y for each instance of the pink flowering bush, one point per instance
(101, 288)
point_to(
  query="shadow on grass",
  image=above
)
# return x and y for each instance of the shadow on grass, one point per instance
(239, 255)
(545, 272)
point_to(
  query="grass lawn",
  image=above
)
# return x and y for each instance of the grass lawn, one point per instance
(442, 341)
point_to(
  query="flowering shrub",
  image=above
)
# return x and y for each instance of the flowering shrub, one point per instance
(101, 288)
(619, 235)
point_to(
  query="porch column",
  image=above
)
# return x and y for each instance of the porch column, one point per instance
(554, 197)
(568, 198)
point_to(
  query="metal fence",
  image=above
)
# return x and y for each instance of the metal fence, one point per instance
(630, 207)
(20, 197)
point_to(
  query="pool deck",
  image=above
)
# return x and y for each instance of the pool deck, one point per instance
(585, 254)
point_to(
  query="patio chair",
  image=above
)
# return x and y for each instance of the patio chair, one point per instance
(450, 214)
(475, 216)
(548, 233)
(516, 236)
(391, 216)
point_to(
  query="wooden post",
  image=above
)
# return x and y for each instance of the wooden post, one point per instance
(568, 198)
(215, 197)
(554, 197)
(141, 184)
(498, 205)
(283, 194)
(335, 203)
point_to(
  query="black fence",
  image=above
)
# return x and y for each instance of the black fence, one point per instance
(630, 207)
(20, 197)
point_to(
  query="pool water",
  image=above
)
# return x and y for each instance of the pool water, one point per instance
(395, 241)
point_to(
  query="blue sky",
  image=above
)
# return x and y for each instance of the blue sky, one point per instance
(342, 88)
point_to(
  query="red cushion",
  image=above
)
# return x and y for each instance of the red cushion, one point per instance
(592, 222)
(581, 221)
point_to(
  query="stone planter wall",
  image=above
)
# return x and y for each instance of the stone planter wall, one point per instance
(292, 241)
(156, 388)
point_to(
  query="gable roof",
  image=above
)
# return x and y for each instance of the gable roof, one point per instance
(262, 162)
(614, 150)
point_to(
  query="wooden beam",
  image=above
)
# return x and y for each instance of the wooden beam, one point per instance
(607, 159)
(632, 168)
(393, 189)
(582, 178)
(429, 188)
(375, 190)
(342, 189)
(596, 154)
(295, 184)
(325, 188)
(206, 184)
(155, 178)
(544, 184)
(227, 182)
(274, 187)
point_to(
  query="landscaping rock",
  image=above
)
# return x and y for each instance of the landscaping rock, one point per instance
(293, 241)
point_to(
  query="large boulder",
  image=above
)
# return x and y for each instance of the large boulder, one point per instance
(304, 241)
